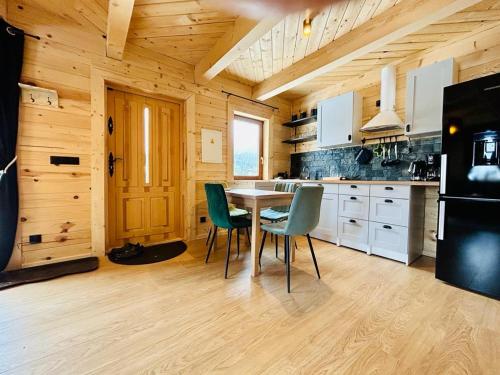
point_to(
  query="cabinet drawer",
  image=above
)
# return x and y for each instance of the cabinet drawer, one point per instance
(354, 206)
(390, 241)
(353, 233)
(389, 211)
(390, 191)
(328, 188)
(354, 189)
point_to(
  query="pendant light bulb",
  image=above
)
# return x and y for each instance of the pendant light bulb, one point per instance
(306, 27)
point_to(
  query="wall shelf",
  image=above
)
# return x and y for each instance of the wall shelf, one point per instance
(300, 139)
(300, 122)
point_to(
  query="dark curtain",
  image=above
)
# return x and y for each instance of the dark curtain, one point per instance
(11, 61)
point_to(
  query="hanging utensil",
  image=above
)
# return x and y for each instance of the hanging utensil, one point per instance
(378, 149)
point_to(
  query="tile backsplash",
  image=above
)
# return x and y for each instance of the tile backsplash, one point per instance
(342, 162)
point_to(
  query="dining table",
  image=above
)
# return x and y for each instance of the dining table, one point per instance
(254, 200)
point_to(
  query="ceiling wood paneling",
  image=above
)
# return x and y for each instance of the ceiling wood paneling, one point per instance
(184, 30)
(187, 30)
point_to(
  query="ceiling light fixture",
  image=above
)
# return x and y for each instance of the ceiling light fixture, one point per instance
(306, 26)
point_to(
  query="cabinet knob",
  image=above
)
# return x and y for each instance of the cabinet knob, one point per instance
(352, 221)
(353, 198)
(389, 188)
(349, 137)
(408, 127)
(387, 227)
(389, 201)
(354, 187)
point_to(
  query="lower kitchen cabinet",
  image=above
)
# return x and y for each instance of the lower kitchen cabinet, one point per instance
(353, 233)
(327, 226)
(390, 241)
(379, 219)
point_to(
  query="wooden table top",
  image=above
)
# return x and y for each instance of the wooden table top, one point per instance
(258, 194)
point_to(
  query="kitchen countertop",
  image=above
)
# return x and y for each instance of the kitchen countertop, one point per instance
(371, 182)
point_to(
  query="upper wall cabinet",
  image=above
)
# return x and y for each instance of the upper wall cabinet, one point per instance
(339, 120)
(424, 97)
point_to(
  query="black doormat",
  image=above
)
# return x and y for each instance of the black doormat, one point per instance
(153, 254)
(10, 279)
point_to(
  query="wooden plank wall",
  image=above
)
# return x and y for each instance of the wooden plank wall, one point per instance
(55, 200)
(476, 56)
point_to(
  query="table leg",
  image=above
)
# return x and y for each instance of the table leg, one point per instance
(254, 253)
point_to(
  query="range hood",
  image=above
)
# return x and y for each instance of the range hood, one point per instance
(387, 119)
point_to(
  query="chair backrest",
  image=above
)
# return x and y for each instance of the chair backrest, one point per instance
(304, 211)
(217, 205)
(288, 187)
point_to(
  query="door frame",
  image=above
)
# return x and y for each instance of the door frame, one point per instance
(100, 80)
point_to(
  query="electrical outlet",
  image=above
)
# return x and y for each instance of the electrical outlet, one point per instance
(203, 219)
(35, 238)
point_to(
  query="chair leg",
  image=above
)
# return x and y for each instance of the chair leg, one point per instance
(262, 247)
(287, 252)
(229, 235)
(208, 237)
(313, 256)
(276, 245)
(248, 236)
(211, 244)
(238, 241)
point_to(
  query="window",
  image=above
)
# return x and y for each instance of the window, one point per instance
(247, 148)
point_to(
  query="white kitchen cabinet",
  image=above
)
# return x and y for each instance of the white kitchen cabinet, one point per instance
(389, 241)
(352, 206)
(389, 210)
(424, 97)
(327, 226)
(339, 120)
(396, 224)
(353, 233)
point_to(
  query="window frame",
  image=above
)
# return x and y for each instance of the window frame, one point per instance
(261, 147)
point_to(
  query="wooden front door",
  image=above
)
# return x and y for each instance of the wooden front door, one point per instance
(144, 147)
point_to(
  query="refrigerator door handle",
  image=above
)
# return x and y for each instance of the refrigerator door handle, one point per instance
(444, 162)
(441, 220)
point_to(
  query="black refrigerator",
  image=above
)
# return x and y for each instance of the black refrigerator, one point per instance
(468, 246)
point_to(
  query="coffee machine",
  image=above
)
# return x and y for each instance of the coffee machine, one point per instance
(418, 170)
(433, 167)
(427, 169)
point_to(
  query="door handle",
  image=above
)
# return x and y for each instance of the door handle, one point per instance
(353, 198)
(352, 221)
(387, 227)
(442, 207)
(389, 201)
(111, 164)
(444, 165)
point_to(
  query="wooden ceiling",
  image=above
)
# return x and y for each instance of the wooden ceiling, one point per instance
(187, 31)
(285, 44)
(451, 28)
(184, 30)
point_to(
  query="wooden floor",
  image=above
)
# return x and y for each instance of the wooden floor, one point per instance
(366, 315)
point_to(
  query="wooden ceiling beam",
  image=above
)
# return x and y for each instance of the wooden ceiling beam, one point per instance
(230, 46)
(400, 20)
(119, 15)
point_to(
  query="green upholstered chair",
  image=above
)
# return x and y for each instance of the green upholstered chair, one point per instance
(234, 212)
(280, 213)
(218, 211)
(303, 218)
